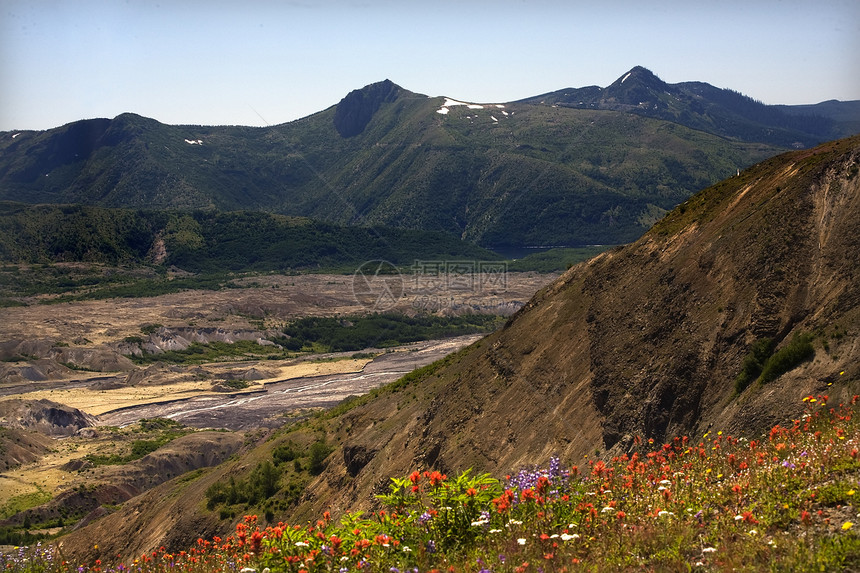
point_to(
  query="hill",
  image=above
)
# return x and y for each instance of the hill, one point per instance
(739, 303)
(210, 241)
(514, 174)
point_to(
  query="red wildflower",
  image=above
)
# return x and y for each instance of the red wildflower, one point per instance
(256, 541)
(503, 502)
(542, 485)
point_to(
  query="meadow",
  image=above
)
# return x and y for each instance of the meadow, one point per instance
(785, 502)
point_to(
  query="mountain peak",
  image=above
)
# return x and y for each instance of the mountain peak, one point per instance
(355, 111)
(638, 76)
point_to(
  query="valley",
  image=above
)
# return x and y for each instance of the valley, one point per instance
(203, 323)
(87, 356)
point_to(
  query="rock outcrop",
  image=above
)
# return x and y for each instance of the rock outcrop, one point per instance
(43, 416)
(356, 109)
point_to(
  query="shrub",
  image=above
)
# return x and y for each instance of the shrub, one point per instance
(754, 363)
(284, 453)
(797, 351)
(319, 452)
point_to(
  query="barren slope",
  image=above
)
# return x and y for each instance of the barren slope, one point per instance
(646, 340)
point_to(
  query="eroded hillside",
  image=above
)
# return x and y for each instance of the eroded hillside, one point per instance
(646, 341)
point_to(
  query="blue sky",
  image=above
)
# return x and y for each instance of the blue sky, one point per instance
(215, 62)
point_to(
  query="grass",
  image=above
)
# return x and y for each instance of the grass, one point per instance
(143, 438)
(24, 501)
(786, 502)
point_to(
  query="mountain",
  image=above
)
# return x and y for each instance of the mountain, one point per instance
(522, 173)
(648, 340)
(725, 112)
(722, 317)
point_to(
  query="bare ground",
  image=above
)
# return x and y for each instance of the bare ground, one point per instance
(281, 387)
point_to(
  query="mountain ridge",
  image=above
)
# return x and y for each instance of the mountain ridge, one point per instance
(700, 105)
(500, 175)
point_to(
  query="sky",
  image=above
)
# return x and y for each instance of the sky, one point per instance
(265, 62)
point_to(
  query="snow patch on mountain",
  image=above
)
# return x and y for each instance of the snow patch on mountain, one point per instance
(449, 103)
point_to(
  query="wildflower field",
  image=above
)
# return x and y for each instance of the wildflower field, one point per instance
(785, 502)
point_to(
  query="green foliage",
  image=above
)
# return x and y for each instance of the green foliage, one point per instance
(153, 433)
(554, 260)
(236, 384)
(541, 175)
(379, 330)
(263, 482)
(209, 242)
(148, 329)
(765, 365)
(272, 478)
(794, 353)
(754, 363)
(284, 453)
(319, 451)
(784, 502)
(24, 501)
